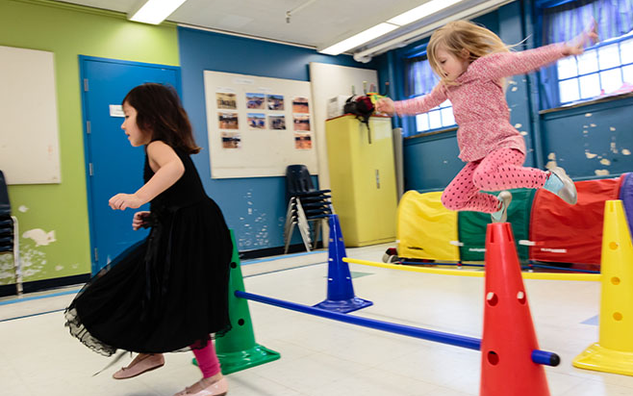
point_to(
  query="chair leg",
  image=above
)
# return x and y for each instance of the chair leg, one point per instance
(16, 256)
(291, 221)
(317, 229)
(288, 238)
(304, 226)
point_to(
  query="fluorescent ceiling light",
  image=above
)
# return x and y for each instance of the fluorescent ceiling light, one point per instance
(155, 11)
(360, 38)
(422, 11)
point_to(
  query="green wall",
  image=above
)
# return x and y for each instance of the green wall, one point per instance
(68, 31)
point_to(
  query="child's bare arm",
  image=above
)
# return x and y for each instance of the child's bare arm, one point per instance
(170, 169)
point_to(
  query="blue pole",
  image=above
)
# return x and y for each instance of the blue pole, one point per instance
(538, 356)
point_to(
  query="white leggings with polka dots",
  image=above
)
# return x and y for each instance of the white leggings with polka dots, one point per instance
(500, 170)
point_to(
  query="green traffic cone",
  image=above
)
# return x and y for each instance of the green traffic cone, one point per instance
(237, 349)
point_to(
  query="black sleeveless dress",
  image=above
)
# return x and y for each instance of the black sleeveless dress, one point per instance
(169, 291)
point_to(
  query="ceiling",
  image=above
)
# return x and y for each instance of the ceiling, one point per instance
(313, 23)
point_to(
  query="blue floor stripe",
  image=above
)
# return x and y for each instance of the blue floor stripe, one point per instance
(24, 299)
(31, 315)
(255, 261)
(594, 321)
(283, 269)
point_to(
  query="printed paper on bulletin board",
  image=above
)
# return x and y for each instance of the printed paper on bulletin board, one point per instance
(258, 126)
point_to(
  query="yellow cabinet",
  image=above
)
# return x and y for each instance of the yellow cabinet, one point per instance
(363, 179)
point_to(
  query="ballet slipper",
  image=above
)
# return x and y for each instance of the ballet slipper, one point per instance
(138, 366)
(216, 388)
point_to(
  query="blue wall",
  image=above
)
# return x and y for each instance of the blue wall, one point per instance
(595, 140)
(254, 207)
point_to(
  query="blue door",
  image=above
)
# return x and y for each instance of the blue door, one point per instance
(112, 164)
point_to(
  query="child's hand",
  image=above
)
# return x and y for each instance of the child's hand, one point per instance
(139, 219)
(124, 201)
(577, 45)
(386, 106)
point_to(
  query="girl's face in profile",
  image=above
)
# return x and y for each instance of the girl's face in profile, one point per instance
(136, 136)
(451, 65)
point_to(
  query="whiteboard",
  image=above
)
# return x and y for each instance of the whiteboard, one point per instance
(29, 134)
(257, 126)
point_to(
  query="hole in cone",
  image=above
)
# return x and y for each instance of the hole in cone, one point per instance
(613, 245)
(617, 316)
(493, 358)
(233, 264)
(615, 280)
(521, 297)
(241, 322)
(492, 299)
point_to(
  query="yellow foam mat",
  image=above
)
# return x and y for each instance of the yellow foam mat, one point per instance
(425, 228)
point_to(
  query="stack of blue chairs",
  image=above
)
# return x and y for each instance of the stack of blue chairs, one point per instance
(9, 231)
(307, 207)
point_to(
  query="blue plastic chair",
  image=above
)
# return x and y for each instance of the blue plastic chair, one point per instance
(306, 206)
(9, 232)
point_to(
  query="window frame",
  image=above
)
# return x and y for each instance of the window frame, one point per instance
(413, 123)
(618, 41)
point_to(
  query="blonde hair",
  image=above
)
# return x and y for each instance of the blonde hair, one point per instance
(459, 37)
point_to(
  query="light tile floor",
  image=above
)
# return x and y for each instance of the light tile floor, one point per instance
(320, 357)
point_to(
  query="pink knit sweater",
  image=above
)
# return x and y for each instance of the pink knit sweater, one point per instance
(479, 103)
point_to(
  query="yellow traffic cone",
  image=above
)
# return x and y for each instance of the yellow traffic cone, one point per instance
(613, 353)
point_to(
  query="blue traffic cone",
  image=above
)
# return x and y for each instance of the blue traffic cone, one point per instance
(340, 291)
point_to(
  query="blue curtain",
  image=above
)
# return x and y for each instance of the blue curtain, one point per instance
(565, 21)
(420, 77)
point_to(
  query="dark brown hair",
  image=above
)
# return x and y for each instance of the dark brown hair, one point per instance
(159, 112)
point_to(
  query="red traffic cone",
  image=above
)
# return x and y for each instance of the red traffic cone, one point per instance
(508, 336)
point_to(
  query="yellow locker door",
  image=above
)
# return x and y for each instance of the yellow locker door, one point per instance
(378, 205)
(363, 181)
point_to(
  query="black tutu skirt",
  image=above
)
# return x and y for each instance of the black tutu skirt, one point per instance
(165, 293)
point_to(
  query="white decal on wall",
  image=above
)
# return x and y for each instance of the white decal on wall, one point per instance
(41, 237)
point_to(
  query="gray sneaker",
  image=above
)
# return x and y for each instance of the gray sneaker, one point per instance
(501, 216)
(568, 192)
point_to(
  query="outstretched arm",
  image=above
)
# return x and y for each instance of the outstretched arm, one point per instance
(170, 169)
(506, 64)
(421, 104)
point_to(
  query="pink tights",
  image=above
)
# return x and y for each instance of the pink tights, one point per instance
(207, 359)
(501, 169)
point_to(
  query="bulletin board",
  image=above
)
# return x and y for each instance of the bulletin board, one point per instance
(258, 126)
(29, 135)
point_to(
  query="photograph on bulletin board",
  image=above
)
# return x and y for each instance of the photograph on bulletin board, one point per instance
(277, 122)
(302, 122)
(231, 140)
(226, 100)
(256, 101)
(303, 141)
(300, 105)
(275, 102)
(256, 120)
(228, 120)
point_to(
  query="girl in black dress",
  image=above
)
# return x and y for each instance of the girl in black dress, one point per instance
(168, 292)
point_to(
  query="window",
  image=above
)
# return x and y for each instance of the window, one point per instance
(437, 118)
(421, 81)
(604, 69)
